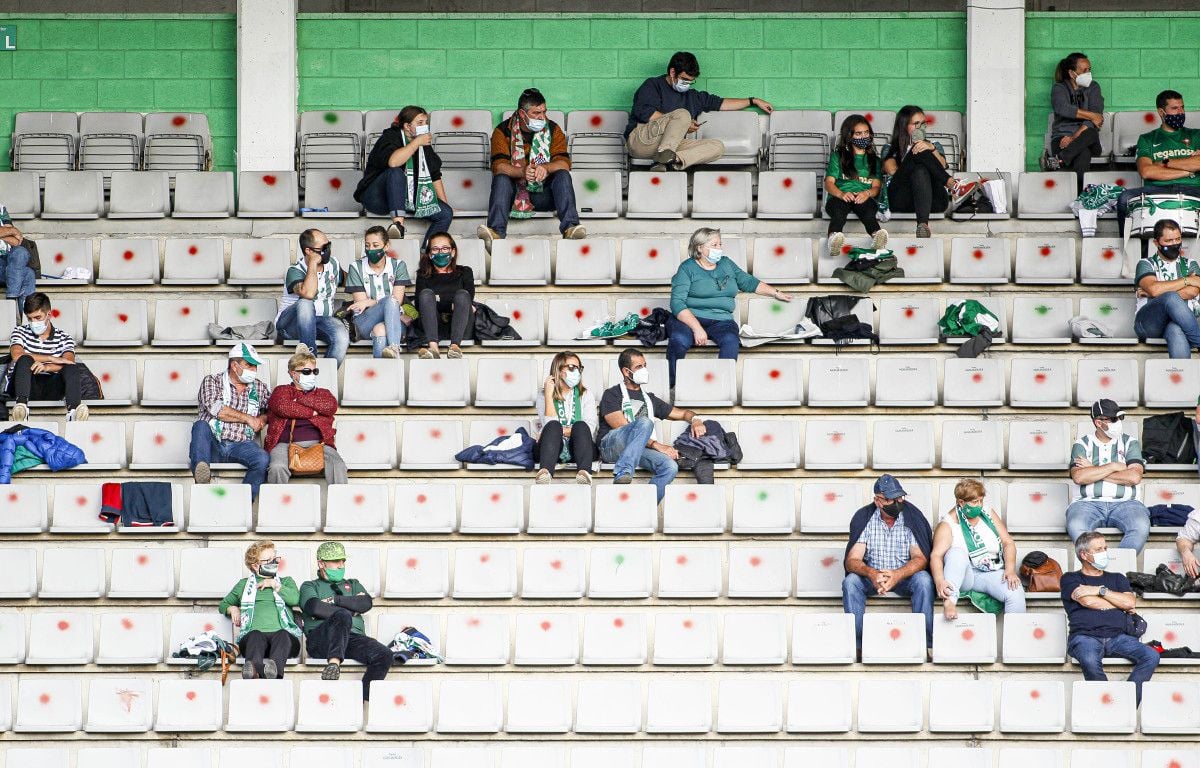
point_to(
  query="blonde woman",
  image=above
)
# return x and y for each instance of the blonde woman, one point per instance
(568, 418)
(260, 607)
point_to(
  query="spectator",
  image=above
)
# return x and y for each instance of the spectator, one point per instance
(306, 311)
(1185, 541)
(852, 184)
(42, 364)
(664, 114)
(1167, 157)
(969, 557)
(1098, 606)
(567, 414)
(445, 297)
(229, 420)
(1078, 114)
(333, 625)
(703, 297)
(629, 414)
(1107, 466)
(888, 551)
(1168, 287)
(376, 284)
(17, 257)
(260, 607)
(403, 177)
(918, 182)
(531, 171)
(301, 414)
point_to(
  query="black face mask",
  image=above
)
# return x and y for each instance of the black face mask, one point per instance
(892, 509)
(326, 251)
(1171, 252)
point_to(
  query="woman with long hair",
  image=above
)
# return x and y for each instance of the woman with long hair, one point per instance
(445, 294)
(918, 181)
(853, 183)
(568, 417)
(1078, 109)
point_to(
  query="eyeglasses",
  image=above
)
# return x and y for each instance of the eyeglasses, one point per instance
(441, 250)
(307, 371)
(268, 562)
(572, 367)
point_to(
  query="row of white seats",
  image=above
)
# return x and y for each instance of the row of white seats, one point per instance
(552, 705)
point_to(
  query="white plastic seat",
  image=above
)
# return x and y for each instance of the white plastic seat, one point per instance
(1100, 261)
(655, 195)
(506, 382)
(619, 572)
(116, 323)
(546, 639)
(23, 509)
(1040, 382)
(428, 444)
(887, 706)
(22, 194)
(1045, 261)
(73, 572)
(769, 444)
(1041, 320)
(538, 706)
(1171, 383)
(689, 572)
(754, 639)
(258, 261)
(483, 573)
(73, 195)
(234, 312)
(961, 706)
(608, 705)
(1108, 378)
(183, 323)
(526, 317)
(332, 190)
(470, 706)
(1115, 314)
(22, 582)
(130, 638)
(1037, 506)
(188, 625)
(49, 705)
(139, 195)
(906, 382)
(159, 445)
(561, 509)
(373, 382)
(983, 260)
(776, 320)
(36, 757)
(722, 195)
(492, 509)
(819, 706)
(57, 255)
(357, 508)
(77, 510)
(367, 443)
(759, 572)
(922, 259)
(772, 381)
(1039, 445)
(824, 638)
(787, 194)
(400, 706)
(974, 383)
(685, 639)
(267, 194)
(417, 573)
(1169, 707)
(694, 509)
(598, 193)
(425, 508)
(1035, 638)
(893, 638)
(484, 431)
(909, 320)
(208, 572)
(626, 509)
(996, 304)
(220, 509)
(289, 508)
(834, 444)
(553, 573)
(469, 189)
(12, 638)
(749, 706)
(329, 706)
(120, 705)
(128, 261)
(263, 706)
(969, 639)
(614, 639)
(740, 132)
(762, 508)
(782, 260)
(649, 261)
(1103, 707)
(678, 705)
(902, 445)
(586, 262)
(439, 383)
(571, 320)
(826, 506)
(171, 381)
(517, 261)
(142, 573)
(1046, 195)
(706, 383)
(972, 445)
(839, 382)
(203, 195)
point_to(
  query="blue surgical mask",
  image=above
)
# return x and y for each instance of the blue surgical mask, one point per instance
(683, 86)
(715, 255)
(535, 124)
(38, 327)
(1100, 559)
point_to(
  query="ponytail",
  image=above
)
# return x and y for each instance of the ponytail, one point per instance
(1067, 65)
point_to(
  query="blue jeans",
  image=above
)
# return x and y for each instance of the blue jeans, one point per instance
(388, 194)
(1090, 652)
(301, 322)
(1130, 517)
(208, 449)
(918, 587)
(386, 311)
(723, 333)
(963, 577)
(1169, 317)
(556, 195)
(1162, 189)
(626, 448)
(19, 280)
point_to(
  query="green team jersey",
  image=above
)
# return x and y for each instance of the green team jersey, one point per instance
(859, 183)
(1124, 449)
(1160, 145)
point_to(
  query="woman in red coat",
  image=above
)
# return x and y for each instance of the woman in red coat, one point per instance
(302, 413)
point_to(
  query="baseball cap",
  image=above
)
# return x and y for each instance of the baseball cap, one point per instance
(889, 487)
(244, 351)
(331, 551)
(1107, 409)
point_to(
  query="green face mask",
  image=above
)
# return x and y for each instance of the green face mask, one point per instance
(970, 512)
(375, 255)
(440, 260)
(335, 574)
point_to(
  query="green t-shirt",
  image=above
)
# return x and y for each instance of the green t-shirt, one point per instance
(377, 285)
(1165, 271)
(709, 294)
(1159, 145)
(266, 616)
(861, 183)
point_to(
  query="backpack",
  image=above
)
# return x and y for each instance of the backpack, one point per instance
(834, 315)
(1167, 439)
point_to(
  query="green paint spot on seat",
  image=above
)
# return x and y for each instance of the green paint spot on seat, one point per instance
(1041, 309)
(591, 185)
(243, 311)
(218, 491)
(762, 495)
(331, 117)
(776, 307)
(619, 560)
(1106, 309)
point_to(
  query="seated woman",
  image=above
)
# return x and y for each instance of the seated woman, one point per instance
(260, 607)
(569, 419)
(703, 296)
(445, 295)
(973, 552)
(1078, 114)
(301, 414)
(376, 284)
(916, 169)
(852, 184)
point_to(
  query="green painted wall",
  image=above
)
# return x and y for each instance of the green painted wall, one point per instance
(1133, 55)
(597, 61)
(123, 63)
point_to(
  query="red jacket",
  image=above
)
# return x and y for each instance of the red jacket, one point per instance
(288, 402)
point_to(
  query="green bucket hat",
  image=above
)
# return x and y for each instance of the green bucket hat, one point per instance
(331, 551)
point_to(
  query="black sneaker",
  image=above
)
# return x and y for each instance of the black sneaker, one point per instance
(331, 672)
(395, 231)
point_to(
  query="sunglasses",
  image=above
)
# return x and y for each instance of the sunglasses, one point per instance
(307, 371)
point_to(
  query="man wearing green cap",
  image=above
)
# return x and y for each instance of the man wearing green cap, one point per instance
(333, 606)
(229, 419)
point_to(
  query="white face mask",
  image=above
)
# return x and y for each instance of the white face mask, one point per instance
(640, 376)
(420, 130)
(535, 124)
(1100, 559)
(247, 376)
(1084, 80)
(683, 86)
(1114, 429)
(38, 326)
(715, 255)
(571, 378)
(307, 382)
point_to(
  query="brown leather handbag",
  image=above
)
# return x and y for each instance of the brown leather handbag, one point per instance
(305, 461)
(1040, 573)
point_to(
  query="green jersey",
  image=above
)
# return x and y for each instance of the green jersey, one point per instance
(860, 182)
(1160, 145)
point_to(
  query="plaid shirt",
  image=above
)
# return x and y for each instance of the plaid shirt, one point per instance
(887, 548)
(210, 401)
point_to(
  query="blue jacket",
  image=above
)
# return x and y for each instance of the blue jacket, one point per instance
(914, 520)
(56, 452)
(522, 455)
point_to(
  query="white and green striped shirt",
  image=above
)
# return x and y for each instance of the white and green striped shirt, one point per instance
(1124, 449)
(327, 286)
(377, 285)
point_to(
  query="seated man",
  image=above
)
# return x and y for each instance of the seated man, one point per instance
(229, 420)
(1185, 542)
(18, 260)
(1107, 466)
(664, 113)
(306, 311)
(333, 624)
(628, 416)
(531, 171)
(1168, 158)
(888, 551)
(43, 362)
(1098, 605)
(1167, 289)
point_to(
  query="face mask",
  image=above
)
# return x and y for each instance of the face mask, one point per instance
(1171, 252)
(640, 376)
(862, 143)
(325, 251)
(420, 130)
(918, 133)
(38, 327)
(682, 86)
(970, 511)
(440, 259)
(335, 574)
(269, 570)
(891, 509)
(535, 124)
(307, 383)
(1084, 80)
(375, 255)
(1114, 430)
(1100, 559)
(571, 378)
(247, 376)
(1175, 122)
(715, 255)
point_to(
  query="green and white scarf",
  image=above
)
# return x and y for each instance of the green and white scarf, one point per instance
(627, 403)
(561, 408)
(249, 593)
(424, 203)
(538, 153)
(977, 550)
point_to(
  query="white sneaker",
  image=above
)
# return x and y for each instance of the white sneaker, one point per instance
(78, 413)
(20, 412)
(391, 351)
(583, 477)
(304, 349)
(543, 477)
(879, 240)
(836, 241)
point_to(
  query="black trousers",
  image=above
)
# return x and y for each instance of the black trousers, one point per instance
(277, 646)
(45, 386)
(429, 309)
(335, 640)
(582, 446)
(919, 186)
(839, 209)
(1079, 153)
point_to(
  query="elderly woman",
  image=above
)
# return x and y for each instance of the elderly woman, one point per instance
(973, 552)
(568, 416)
(376, 284)
(445, 296)
(703, 297)
(301, 414)
(260, 607)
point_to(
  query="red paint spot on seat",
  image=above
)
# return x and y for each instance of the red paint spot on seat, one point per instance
(585, 250)
(1049, 183)
(1036, 498)
(128, 255)
(421, 498)
(909, 312)
(259, 258)
(436, 377)
(895, 633)
(767, 438)
(1046, 250)
(652, 253)
(411, 563)
(370, 373)
(1177, 697)
(1169, 636)
(828, 561)
(596, 121)
(1148, 118)
(193, 250)
(623, 496)
(264, 700)
(516, 314)
(1105, 381)
(723, 180)
(159, 440)
(208, 627)
(830, 497)
(58, 258)
(494, 498)
(787, 182)
(178, 121)
(977, 253)
(97, 437)
(692, 496)
(780, 250)
(1038, 439)
(709, 377)
(775, 373)
(968, 634)
(44, 698)
(755, 561)
(1035, 694)
(361, 437)
(501, 430)
(269, 180)
(911, 250)
(644, 311)
(1166, 495)
(436, 434)
(106, 377)
(190, 695)
(63, 625)
(472, 622)
(468, 183)
(655, 181)
(681, 560)
(545, 625)
(1119, 182)
(1108, 254)
(457, 121)
(286, 498)
(835, 437)
(185, 311)
(978, 377)
(870, 117)
(579, 314)
(1039, 378)
(688, 624)
(560, 498)
(846, 250)
(55, 314)
(124, 318)
(13, 498)
(507, 377)
(1176, 378)
(127, 623)
(1106, 699)
(484, 557)
(323, 698)
(81, 501)
(518, 249)
(618, 622)
(335, 182)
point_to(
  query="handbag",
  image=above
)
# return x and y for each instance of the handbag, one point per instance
(1040, 573)
(305, 461)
